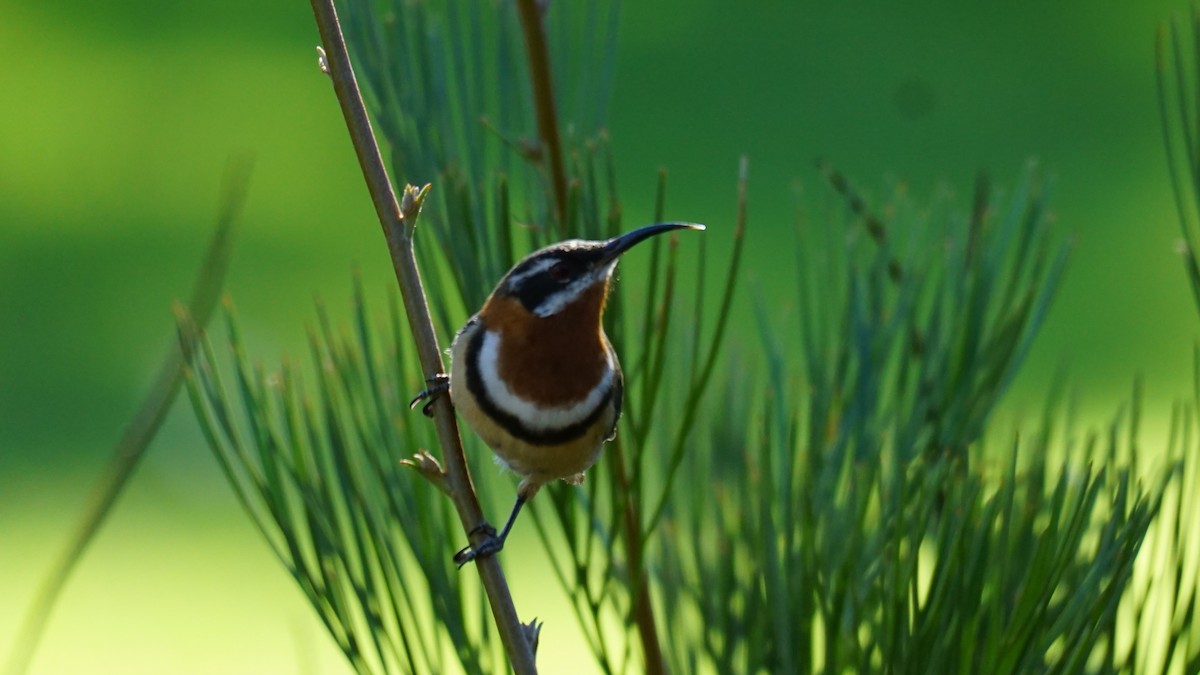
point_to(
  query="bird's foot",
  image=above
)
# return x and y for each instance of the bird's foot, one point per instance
(490, 545)
(438, 384)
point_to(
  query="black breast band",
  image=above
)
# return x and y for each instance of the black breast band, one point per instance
(514, 425)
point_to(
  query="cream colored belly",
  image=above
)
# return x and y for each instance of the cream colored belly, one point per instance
(538, 464)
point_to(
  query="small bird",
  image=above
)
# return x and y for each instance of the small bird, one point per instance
(533, 372)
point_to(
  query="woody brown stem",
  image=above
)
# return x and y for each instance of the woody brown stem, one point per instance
(399, 226)
(643, 605)
(543, 98)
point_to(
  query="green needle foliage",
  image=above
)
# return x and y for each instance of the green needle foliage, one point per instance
(449, 91)
(839, 529)
(940, 320)
(839, 501)
(317, 469)
(1178, 101)
(1176, 550)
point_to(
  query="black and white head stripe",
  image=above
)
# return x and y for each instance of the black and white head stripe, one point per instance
(548, 280)
(523, 419)
(529, 267)
(554, 302)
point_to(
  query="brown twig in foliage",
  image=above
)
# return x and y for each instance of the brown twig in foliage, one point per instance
(543, 95)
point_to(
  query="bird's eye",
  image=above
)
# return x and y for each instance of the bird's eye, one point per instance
(560, 272)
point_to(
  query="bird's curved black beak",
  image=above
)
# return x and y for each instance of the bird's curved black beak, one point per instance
(618, 245)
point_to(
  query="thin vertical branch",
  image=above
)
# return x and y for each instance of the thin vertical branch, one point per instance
(643, 605)
(543, 98)
(399, 226)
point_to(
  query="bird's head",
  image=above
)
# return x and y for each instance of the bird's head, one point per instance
(550, 280)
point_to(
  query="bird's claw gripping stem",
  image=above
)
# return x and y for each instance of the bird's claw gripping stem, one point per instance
(439, 384)
(492, 542)
(490, 545)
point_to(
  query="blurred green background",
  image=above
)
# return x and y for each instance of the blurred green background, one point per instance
(119, 120)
